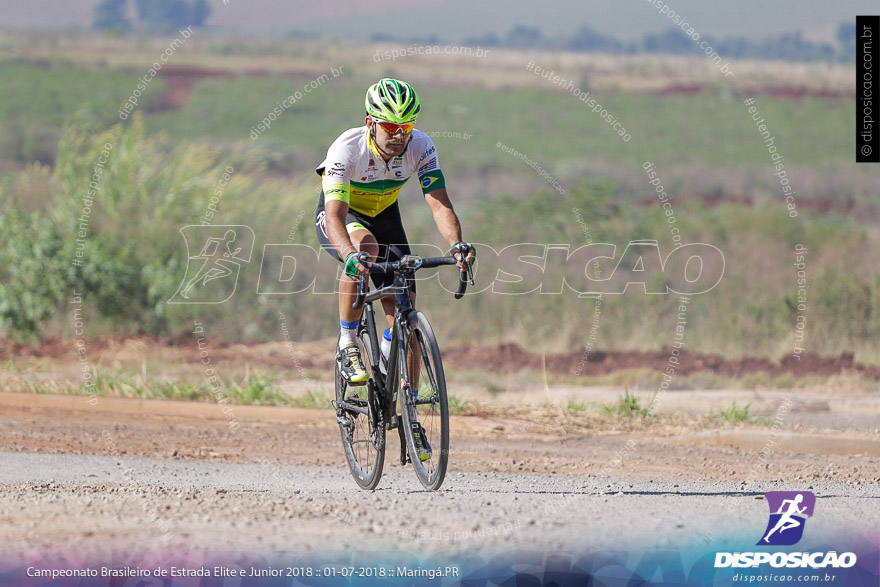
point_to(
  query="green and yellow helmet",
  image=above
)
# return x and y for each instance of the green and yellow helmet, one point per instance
(392, 100)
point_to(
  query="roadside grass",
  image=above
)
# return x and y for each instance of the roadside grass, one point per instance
(458, 405)
(260, 389)
(644, 378)
(577, 406)
(311, 399)
(628, 405)
(735, 413)
(574, 405)
(257, 389)
(765, 421)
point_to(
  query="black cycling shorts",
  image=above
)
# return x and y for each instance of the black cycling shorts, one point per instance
(386, 226)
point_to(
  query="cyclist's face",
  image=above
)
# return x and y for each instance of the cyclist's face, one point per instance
(393, 144)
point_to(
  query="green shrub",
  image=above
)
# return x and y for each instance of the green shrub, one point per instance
(627, 406)
(133, 256)
(36, 274)
(735, 413)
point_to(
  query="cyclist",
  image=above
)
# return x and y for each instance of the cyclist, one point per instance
(358, 219)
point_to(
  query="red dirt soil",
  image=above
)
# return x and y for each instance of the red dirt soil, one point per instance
(507, 358)
(181, 80)
(501, 359)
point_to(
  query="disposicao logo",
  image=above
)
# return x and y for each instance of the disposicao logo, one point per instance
(789, 511)
(224, 248)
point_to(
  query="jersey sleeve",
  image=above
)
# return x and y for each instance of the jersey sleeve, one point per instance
(430, 176)
(336, 174)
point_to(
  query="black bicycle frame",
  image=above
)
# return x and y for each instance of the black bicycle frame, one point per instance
(384, 409)
(387, 394)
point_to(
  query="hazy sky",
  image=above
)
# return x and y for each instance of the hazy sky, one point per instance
(456, 19)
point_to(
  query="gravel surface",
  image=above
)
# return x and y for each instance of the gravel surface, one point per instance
(104, 505)
(122, 476)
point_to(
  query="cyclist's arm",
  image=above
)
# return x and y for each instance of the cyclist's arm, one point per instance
(335, 223)
(434, 187)
(337, 195)
(445, 217)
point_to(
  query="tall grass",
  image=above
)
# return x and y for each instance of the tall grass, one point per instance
(255, 390)
(154, 184)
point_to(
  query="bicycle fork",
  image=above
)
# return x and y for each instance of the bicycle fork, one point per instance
(400, 383)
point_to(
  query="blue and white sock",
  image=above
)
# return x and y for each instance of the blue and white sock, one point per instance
(348, 333)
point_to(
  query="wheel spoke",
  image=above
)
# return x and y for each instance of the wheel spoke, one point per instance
(429, 404)
(363, 444)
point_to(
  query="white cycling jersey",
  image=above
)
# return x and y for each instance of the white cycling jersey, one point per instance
(354, 171)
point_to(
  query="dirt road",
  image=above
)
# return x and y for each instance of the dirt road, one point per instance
(168, 476)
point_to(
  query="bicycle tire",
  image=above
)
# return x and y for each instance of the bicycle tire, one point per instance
(364, 445)
(431, 472)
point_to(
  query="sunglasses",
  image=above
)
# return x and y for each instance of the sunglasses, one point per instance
(392, 128)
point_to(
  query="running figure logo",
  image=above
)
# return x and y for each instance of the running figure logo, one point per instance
(789, 511)
(212, 275)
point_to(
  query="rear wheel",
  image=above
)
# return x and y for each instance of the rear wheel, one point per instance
(429, 401)
(360, 425)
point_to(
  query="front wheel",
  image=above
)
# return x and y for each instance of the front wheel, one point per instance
(426, 393)
(360, 426)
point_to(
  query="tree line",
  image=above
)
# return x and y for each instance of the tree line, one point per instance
(155, 16)
(672, 41)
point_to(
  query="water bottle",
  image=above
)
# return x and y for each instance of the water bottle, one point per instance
(384, 349)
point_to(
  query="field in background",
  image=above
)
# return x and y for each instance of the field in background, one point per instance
(681, 112)
(682, 117)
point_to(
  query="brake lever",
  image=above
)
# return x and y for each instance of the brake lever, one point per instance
(361, 293)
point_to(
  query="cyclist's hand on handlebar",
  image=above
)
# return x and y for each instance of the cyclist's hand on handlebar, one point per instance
(356, 263)
(463, 249)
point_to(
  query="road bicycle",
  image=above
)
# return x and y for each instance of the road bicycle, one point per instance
(366, 412)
